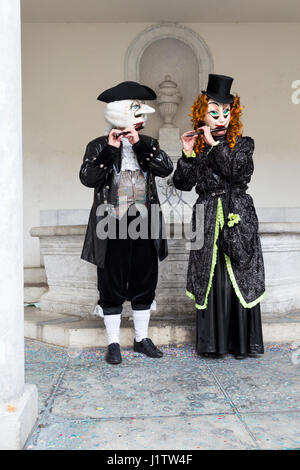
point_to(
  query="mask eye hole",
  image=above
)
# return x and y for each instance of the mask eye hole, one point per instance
(135, 106)
(136, 109)
(214, 114)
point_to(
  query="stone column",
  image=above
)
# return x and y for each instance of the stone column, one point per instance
(18, 402)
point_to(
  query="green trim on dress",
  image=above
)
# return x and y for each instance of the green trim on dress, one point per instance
(220, 223)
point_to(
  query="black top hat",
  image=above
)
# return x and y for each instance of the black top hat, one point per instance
(218, 88)
(127, 91)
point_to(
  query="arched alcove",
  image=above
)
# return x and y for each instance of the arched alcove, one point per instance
(175, 50)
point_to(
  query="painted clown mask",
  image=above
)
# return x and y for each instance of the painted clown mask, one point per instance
(127, 113)
(218, 115)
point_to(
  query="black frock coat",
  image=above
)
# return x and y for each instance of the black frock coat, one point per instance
(97, 170)
(210, 172)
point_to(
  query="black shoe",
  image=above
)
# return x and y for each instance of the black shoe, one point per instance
(147, 347)
(113, 354)
(240, 357)
(255, 355)
(212, 355)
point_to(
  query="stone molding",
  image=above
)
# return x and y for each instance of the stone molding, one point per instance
(63, 230)
(168, 31)
(72, 281)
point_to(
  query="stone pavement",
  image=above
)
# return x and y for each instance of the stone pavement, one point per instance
(178, 402)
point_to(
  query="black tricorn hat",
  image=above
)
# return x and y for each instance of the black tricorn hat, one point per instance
(218, 88)
(127, 91)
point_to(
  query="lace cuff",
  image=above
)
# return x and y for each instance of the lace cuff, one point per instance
(189, 155)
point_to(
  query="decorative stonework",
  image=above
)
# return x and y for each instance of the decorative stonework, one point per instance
(167, 31)
(72, 281)
(168, 99)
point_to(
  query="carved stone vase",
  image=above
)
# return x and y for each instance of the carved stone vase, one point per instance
(168, 99)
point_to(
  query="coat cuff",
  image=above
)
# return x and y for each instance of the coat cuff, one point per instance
(144, 148)
(188, 159)
(189, 155)
(108, 155)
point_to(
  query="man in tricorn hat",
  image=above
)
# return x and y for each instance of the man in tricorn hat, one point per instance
(121, 166)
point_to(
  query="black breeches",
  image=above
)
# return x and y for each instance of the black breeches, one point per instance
(130, 273)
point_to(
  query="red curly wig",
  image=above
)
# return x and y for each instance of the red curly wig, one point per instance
(235, 128)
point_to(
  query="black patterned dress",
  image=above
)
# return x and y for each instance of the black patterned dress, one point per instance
(226, 294)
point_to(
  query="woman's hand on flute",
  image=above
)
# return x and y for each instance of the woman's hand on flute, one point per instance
(188, 142)
(208, 138)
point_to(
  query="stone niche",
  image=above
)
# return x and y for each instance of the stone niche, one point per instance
(174, 56)
(178, 52)
(170, 57)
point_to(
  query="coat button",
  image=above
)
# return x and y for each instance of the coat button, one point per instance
(213, 194)
(101, 166)
(107, 187)
(148, 159)
(105, 168)
(154, 148)
(151, 154)
(105, 202)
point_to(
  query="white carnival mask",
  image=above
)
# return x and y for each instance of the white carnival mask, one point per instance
(218, 115)
(126, 113)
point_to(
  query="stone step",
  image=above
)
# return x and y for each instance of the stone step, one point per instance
(35, 275)
(33, 292)
(73, 332)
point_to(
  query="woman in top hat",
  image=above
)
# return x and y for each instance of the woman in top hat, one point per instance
(121, 166)
(226, 276)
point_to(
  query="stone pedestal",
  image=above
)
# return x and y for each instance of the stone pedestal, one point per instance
(170, 198)
(72, 281)
(169, 141)
(281, 249)
(18, 403)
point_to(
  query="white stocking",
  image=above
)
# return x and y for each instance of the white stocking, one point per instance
(112, 325)
(141, 320)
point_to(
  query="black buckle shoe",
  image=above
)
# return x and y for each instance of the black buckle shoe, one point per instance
(113, 354)
(240, 357)
(147, 347)
(212, 355)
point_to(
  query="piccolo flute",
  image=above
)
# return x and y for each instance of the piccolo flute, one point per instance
(138, 128)
(201, 131)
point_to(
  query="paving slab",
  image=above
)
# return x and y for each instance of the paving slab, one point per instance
(38, 352)
(277, 431)
(182, 433)
(141, 386)
(270, 383)
(180, 401)
(44, 378)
